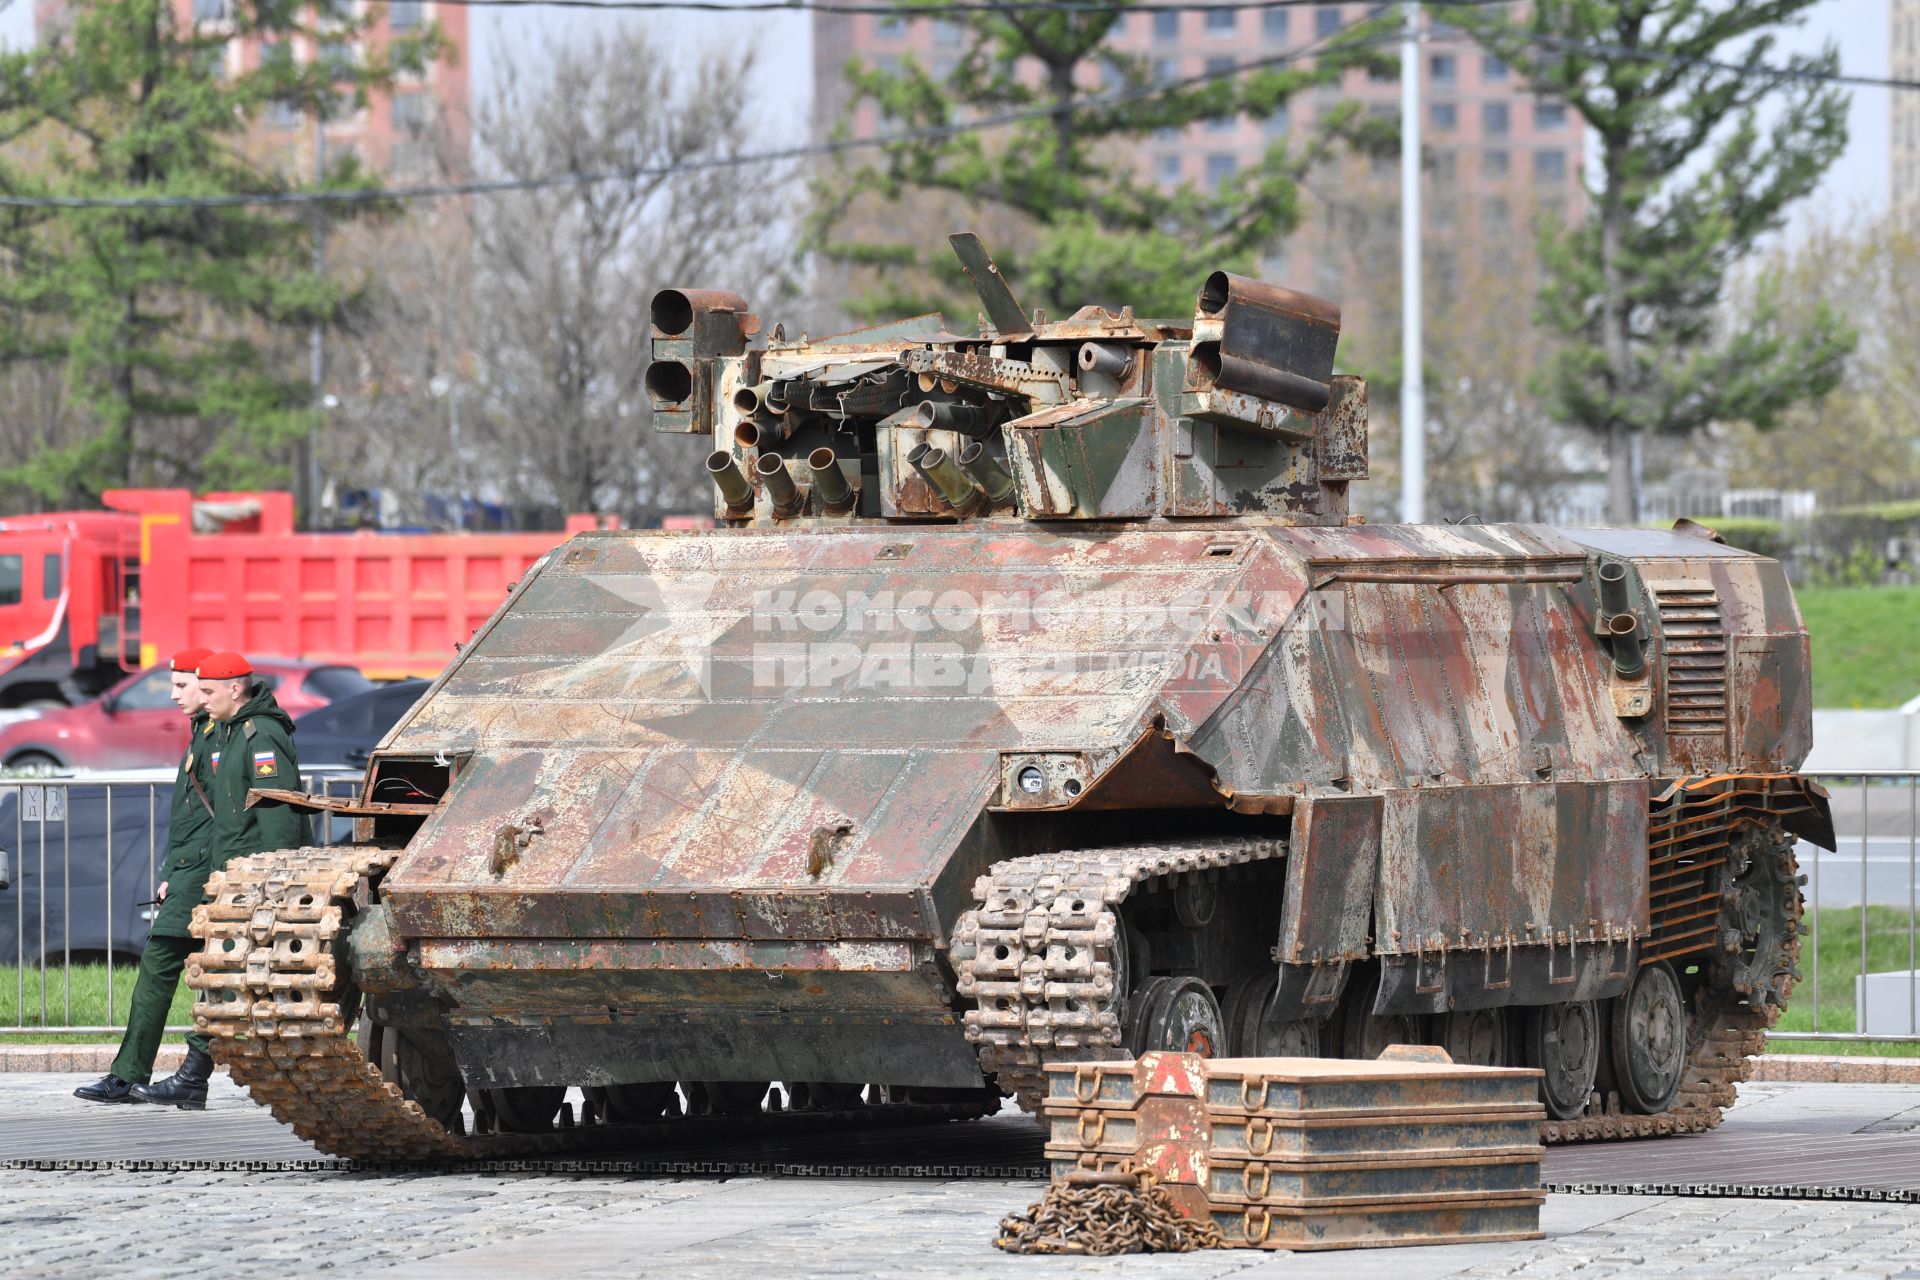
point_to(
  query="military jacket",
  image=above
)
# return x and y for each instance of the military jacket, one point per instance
(189, 835)
(254, 749)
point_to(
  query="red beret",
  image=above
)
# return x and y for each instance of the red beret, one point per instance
(190, 659)
(224, 666)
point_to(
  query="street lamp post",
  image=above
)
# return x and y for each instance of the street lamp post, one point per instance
(1413, 391)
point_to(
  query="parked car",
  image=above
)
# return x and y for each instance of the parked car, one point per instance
(344, 733)
(59, 837)
(134, 724)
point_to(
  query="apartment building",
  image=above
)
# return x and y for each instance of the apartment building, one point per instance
(1497, 155)
(1904, 148)
(418, 128)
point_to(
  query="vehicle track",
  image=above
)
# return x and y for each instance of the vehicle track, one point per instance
(1043, 957)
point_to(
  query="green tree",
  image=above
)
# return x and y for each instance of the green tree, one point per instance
(1063, 180)
(1689, 178)
(1861, 443)
(170, 322)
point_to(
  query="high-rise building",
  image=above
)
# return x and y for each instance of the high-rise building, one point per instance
(419, 126)
(1497, 155)
(1904, 64)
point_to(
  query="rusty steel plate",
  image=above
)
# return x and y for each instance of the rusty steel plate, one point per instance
(1341, 1087)
(1376, 1180)
(1123, 1085)
(1309, 1137)
(1484, 1220)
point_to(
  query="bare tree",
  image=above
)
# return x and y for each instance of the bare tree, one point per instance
(401, 372)
(1862, 443)
(1493, 451)
(563, 272)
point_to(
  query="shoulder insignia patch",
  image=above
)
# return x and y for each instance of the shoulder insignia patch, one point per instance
(213, 762)
(264, 765)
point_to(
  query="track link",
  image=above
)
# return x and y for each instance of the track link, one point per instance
(1041, 955)
(275, 1000)
(274, 995)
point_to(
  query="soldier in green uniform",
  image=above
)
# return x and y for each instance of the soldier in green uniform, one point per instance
(182, 877)
(249, 744)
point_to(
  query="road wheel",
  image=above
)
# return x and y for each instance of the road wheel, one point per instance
(1476, 1036)
(1563, 1040)
(1365, 1034)
(1251, 1034)
(1650, 1039)
(422, 1064)
(1178, 1014)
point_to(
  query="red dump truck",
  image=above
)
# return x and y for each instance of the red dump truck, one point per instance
(87, 596)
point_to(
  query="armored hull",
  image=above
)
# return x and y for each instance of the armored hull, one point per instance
(1121, 737)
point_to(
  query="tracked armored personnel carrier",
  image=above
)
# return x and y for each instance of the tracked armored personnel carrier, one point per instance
(1037, 698)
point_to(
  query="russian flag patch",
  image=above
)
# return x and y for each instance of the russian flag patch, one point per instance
(215, 758)
(264, 765)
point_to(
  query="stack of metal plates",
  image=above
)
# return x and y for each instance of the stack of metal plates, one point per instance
(1312, 1153)
(1148, 1115)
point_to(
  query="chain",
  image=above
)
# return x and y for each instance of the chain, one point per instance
(1119, 1211)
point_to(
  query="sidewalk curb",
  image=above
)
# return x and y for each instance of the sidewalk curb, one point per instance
(86, 1059)
(1772, 1068)
(1795, 1068)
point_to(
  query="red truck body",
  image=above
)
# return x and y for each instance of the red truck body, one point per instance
(88, 596)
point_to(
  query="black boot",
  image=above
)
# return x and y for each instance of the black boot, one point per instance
(185, 1088)
(107, 1088)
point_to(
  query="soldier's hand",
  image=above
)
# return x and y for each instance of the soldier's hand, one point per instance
(160, 894)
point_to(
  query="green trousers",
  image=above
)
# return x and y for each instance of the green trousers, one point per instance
(160, 966)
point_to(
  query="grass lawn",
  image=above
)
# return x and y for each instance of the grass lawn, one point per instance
(1864, 644)
(89, 1003)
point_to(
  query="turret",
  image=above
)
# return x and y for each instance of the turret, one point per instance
(1101, 416)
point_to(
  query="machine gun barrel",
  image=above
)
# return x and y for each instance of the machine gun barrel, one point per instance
(1102, 357)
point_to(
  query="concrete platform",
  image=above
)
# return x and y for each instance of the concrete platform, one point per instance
(468, 1226)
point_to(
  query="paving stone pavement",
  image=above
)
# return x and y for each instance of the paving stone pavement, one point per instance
(475, 1227)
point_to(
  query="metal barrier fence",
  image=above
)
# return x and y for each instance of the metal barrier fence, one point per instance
(80, 859)
(1875, 872)
(79, 829)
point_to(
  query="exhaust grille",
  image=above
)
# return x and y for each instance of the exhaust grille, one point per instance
(1696, 658)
